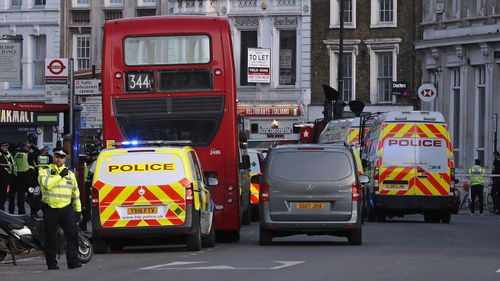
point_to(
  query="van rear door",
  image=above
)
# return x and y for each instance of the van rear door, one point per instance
(415, 160)
(310, 185)
(138, 188)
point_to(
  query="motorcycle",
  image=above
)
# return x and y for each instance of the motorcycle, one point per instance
(24, 233)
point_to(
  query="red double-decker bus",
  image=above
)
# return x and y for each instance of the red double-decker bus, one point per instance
(172, 78)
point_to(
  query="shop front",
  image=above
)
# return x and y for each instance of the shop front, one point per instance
(20, 119)
(269, 124)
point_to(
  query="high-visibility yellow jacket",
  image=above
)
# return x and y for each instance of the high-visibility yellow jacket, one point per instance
(57, 191)
(478, 175)
(23, 162)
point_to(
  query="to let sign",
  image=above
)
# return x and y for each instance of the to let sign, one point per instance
(259, 65)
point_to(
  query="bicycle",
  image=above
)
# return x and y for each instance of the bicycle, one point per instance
(466, 200)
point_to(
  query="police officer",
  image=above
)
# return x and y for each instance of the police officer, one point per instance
(26, 177)
(6, 172)
(61, 199)
(495, 190)
(477, 184)
(43, 160)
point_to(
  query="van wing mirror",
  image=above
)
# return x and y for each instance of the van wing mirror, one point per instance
(245, 162)
(363, 179)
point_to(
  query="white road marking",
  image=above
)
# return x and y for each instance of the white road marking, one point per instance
(175, 263)
(498, 271)
(179, 265)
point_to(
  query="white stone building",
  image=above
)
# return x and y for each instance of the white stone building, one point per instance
(37, 22)
(460, 54)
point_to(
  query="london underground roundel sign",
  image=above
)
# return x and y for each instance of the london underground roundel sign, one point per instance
(56, 67)
(427, 92)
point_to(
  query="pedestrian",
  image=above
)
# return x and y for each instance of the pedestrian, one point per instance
(7, 170)
(93, 161)
(476, 185)
(26, 177)
(61, 206)
(495, 190)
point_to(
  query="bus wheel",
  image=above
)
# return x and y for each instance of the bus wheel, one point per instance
(193, 241)
(100, 245)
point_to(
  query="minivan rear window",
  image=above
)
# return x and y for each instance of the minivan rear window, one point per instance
(427, 153)
(132, 169)
(310, 165)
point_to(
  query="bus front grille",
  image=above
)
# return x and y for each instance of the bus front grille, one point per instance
(169, 106)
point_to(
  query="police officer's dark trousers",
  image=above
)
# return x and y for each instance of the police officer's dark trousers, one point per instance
(23, 181)
(3, 195)
(65, 217)
(476, 191)
(495, 193)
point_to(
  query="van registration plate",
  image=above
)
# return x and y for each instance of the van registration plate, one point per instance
(310, 205)
(142, 210)
(396, 186)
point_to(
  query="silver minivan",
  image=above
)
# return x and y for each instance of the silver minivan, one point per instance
(311, 189)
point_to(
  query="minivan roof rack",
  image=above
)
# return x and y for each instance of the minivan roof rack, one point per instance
(126, 144)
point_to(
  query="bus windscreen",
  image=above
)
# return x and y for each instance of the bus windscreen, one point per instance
(167, 50)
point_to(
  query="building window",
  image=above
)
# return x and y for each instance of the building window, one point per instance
(81, 51)
(455, 108)
(384, 76)
(287, 57)
(248, 39)
(480, 112)
(383, 13)
(39, 3)
(386, 11)
(81, 3)
(39, 52)
(349, 13)
(147, 3)
(347, 94)
(451, 9)
(16, 4)
(113, 3)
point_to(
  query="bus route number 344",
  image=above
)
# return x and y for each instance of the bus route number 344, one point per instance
(139, 81)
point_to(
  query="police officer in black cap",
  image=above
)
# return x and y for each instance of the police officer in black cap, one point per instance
(7, 170)
(61, 206)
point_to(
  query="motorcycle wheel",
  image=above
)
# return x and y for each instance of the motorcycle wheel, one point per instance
(85, 249)
(2, 255)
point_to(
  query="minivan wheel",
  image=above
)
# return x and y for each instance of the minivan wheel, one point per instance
(209, 240)
(193, 241)
(446, 216)
(265, 237)
(355, 237)
(100, 245)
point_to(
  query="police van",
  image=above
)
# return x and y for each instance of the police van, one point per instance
(151, 192)
(409, 158)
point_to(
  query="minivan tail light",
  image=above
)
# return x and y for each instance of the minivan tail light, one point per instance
(95, 197)
(355, 191)
(264, 191)
(189, 194)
